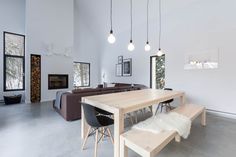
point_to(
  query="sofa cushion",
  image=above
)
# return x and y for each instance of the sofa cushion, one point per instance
(121, 84)
(86, 90)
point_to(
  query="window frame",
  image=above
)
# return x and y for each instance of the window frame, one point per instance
(89, 73)
(5, 56)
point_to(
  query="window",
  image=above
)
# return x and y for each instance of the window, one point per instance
(81, 74)
(157, 67)
(14, 61)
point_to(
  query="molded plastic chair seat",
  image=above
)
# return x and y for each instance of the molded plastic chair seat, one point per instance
(105, 121)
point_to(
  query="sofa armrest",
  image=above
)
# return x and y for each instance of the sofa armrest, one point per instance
(70, 107)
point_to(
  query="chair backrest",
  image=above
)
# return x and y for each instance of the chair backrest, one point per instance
(171, 100)
(168, 89)
(90, 115)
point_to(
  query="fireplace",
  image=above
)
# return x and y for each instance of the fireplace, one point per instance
(57, 81)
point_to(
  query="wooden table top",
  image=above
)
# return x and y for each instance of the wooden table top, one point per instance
(131, 100)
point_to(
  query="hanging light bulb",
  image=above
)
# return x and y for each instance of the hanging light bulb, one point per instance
(160, 53)
(147, 46)
(131, 46)
(111, 38)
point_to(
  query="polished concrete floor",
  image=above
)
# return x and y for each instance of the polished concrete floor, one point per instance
(36, 130)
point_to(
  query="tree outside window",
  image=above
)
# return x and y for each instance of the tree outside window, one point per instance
(157, 72)
(81, 74)
(14, 61)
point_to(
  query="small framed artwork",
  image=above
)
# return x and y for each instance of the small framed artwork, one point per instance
(119, 69)
(208, 59)
(120, 59)
(127, 67)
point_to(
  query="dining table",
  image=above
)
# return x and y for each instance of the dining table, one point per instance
(126, 102)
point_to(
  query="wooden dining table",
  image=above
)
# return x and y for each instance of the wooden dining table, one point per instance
(125, 102)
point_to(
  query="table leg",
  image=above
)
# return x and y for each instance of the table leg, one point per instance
(182, 100)
(118, 130)
(84, 125)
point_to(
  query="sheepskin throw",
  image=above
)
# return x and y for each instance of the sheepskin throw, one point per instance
(166, 122)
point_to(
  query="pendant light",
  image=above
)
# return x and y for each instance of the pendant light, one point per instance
(160, 53)
(147, 46)
(111, 38)
(131, 45)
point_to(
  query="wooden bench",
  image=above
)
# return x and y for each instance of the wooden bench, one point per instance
(149, 144)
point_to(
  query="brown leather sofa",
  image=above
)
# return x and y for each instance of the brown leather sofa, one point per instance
(71, 102)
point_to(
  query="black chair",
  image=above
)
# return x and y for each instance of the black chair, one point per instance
(98, 124)
(165, 104)
(102, 112)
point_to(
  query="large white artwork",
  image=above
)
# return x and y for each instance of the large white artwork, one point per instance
(208, 59)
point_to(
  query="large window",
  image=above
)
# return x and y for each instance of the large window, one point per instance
(81, 74)
(14, 61)
(157, 74)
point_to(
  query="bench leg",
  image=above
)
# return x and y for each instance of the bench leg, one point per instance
(123, 148)
(177, 138)
(203, 118)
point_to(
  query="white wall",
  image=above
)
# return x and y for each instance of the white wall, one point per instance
(195, 26)
(86, 44)
(49, 22)
(12, 17)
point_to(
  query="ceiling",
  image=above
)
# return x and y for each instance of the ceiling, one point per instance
(95, 13)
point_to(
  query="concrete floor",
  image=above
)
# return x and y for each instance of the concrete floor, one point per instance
(36, 130)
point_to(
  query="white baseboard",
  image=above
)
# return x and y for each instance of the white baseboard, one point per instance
(222, 114)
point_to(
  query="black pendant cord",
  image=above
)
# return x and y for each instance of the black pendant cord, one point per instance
(160, 24)
(147, 21)
(111, 14)
(131, 20)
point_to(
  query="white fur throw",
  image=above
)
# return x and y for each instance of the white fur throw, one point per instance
(166, 122)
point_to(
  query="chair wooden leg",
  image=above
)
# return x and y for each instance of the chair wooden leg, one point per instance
(96, 144)
(161, 107)
(136, 117)
(157, 108)
(131, 119)
(168, 107)
(150, 108)
(103, 133)
(86, 137)
(110, 135)
(143, 111)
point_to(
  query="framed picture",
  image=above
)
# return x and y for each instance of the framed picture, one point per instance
(208, 59)
(127, 67)
(119, 69)
(120, 59)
